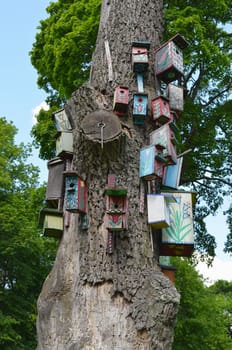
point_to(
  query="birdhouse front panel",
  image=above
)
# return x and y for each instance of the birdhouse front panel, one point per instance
(139, 59)
(178, 238)
(163, 138)
(75, 193)
(64, 143)
(160, 110)
(52, 222)
(55, 186)
(139, 108)
(169, 62)
(149, 167)
(61, 120)
(158, 211)
(176, 98)
(172, 174)
(116, 209)
(121, 100)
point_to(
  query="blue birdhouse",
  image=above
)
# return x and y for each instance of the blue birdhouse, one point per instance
(140, 102)
(75, 192)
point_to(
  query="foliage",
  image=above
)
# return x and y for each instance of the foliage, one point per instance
(202, 322)
(25, 257)
(62, 56)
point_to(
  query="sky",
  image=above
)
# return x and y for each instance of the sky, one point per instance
(20, 98)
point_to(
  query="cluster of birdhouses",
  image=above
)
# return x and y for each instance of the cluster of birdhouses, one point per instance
(66, 191)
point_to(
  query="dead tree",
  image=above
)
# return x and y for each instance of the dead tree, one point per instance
(106, 290)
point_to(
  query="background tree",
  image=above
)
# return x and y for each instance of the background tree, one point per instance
(205, 125)
(25, 257)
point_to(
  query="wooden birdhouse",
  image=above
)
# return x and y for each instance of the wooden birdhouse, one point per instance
(150, 168)
(140, 108)
(167, 269)
(160, 110)
(55, 186)
(75, 192)
(176, 98)
(169, 59)
(164, 139)
(116, 209)
(140, 56)
(61, 120)
(52, 222)
(121, 100)
(64, 143)
(172, 174)
(178, 238)
(158, 210)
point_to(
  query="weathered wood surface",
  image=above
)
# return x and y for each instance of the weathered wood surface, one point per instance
(92, 300)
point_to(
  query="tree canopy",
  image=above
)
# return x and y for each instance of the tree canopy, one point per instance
(61, 55)
(25, 257)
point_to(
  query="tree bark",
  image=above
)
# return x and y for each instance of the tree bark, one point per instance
(93, 300)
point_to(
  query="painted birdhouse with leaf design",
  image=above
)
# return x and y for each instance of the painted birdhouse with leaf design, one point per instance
(140, 102)
(150, 168)
(75, 193)
(116, 209)
(178, 238)
(169, 59)
(121, 100)
(160, 110)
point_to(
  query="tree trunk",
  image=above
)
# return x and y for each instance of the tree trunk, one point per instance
(93, 299)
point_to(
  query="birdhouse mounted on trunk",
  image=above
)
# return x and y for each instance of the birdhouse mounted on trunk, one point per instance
(62, 121)
(139, 108)
(158, 210)
(75, 192)
(150, 168)
(169, 59)
(178, 238)
(116, 209)
(172, 174)
(164, 139)
(160, 110)
(64, 143)
(121, 100)
(176, 98)
(167, 269)
(55, 186)
(52, 222)
(140, 56)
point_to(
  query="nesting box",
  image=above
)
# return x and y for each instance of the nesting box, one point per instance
(172, 174)
(176, 98)
(164, 139)
(64, 143)
(158, 210)
(116, 209)
(169, 59)
(140, 56)
(178, 238)
(55, 186)
(150, 167)
(160, 110)
(140, 108)
(75, 192)
(62, 121)
(167, 269)
(52, 222)
(121, 100)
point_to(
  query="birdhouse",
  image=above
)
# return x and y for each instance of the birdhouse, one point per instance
(178, 239)
(160, 110)
(52, 222)
(149, 167)
(64, 143)
(55, 186)
(167, 269)
(158, 210)
(61, 120)
(164, 139)
(139, 108)
(121, 100)
(75, 192)
(116, 209)
(172, 174)
(176, 98)
(140, 56)
(169, 59)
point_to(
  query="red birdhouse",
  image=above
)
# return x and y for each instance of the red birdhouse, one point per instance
(160, 110)
(121, 100)
(140, 56)
(116, 209)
